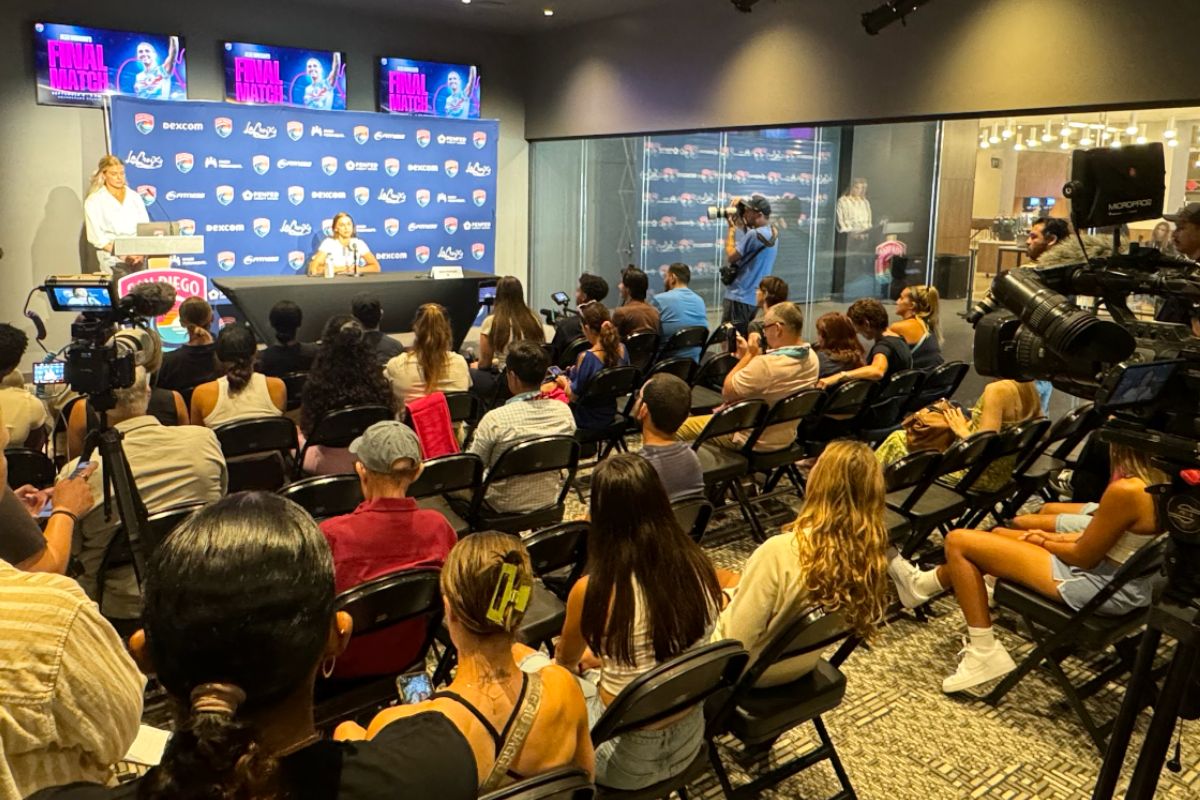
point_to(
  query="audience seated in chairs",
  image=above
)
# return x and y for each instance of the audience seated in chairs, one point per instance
(72, 696)
(771, 291)
(831, 557)
(387, 532)
(25, 413)
(521, 715)
(1071, 563)
(194, 363)
(528, 414)
(241, 393)
(166, 405)
(22, 543)
(170, 466)
(428, 366)
(890, 353)
(838, 348)
(649, 594)
(591, 289)
(288, 354)
(239, 617)
(635, 315)
(917, 308)
(787, 367)
(344, 374)
(679, 307)
(662, 406)
(1002, 405)
(605, 351)
(368, 310)
(511, 321)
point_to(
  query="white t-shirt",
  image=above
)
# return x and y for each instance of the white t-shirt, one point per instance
(341, 256)
(107, 218)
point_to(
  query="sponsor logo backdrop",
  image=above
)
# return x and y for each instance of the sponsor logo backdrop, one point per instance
(262, 184)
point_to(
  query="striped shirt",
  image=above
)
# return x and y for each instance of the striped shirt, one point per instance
(70, 696)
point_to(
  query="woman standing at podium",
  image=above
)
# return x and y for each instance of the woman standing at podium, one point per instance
(339, 253)
(111, 211)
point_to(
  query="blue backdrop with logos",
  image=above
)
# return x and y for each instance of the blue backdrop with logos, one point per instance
(261, 184)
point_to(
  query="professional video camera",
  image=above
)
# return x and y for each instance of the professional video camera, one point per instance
(734, 211)
(1145, 378)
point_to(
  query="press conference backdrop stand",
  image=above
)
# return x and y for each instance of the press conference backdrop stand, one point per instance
(401, 294)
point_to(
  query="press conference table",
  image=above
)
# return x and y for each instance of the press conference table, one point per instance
(401, 294)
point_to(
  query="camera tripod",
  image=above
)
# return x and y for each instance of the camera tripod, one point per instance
(118, 484)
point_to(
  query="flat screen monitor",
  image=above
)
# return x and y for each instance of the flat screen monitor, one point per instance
(266, 75)
(1115, 186)
(428, 87)
(78, 66)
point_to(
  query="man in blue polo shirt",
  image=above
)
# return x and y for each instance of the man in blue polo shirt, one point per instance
(680, 307)
(750, 248)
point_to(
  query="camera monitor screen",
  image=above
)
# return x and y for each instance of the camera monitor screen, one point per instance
(1113, 186)
(428, 87)
(284, 76)
(80, 298)
(78, 66)
(1139, 384)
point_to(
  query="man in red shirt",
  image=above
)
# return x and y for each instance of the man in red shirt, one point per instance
(386, 533)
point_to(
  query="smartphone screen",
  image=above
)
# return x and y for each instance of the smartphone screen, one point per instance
(414, 687)
(47, 373)
(49, 507)
(555, 372)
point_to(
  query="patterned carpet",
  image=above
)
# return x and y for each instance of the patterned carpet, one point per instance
(900, 737)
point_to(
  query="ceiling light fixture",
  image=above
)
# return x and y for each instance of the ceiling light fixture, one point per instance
(1047, 136)
(1132, 127)
(1141, 139)
(992, 137)
(1007, 132)
(1086, 140)
(1066, 128)
(1172, 143)
(1170, 132)
(1018, 146)
(1065, 144)
(984, 144)
(549, 12)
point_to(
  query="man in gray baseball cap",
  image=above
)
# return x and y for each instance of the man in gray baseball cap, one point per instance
(387, 532)
(1187, 241)
(750, 253)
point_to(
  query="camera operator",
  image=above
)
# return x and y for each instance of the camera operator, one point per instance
(750, 251)
(1187, 241)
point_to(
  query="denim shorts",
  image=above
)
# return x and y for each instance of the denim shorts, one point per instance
(1075, 523)
(636, 759)
(1077, 586)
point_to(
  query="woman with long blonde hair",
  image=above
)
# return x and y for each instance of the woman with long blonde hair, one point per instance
(428, 366)
(833, 557)
(111, 211)
(919, 324)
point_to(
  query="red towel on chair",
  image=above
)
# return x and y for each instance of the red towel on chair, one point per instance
(430, 418)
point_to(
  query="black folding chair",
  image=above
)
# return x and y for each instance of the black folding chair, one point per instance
(341, 427)
(840, 416)
(1014, 444)
(604, 391)
(685, 338)
(119, 553)
(572, 351)
(294, 382)
(641, 348)
(1033, 472)
(693, 515)
(886, 409)
(942, 382)
(708, 382)
(381, 603)
(325, 496)
(258, 452)
(465, 409)
(561, 784)
(544, 455)
(901, 477)
(679, 366)
(801, 408)
(442, 475)
(723, 466)
(31, 467)
(558, 555)
(1060, 632)
(757, 717)
(682, 683)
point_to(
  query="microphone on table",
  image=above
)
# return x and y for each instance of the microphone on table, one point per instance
(354, 253)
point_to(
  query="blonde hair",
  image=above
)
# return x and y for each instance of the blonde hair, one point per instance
(925, 304)
(97, 180)
(1130, 463)
(472, 574)
(841, 536)
(432, 343)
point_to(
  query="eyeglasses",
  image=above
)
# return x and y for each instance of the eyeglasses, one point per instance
(770, 325)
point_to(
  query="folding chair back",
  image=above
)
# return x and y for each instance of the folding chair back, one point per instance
(325, 496)
(847, 399)
(887, 407)
(572, 351)
(464, 407)
(812, 631)
(31, 467)
(912, 470)
(943, 381)
(559, 547)
(339, 428)
(693, 515)
(641, 348)
(684, 339)
(744, 415)
(393, 598)
(680, 367)
(447, 474)
(258, 452)
(712, 372)
(804, 406)
(294, 382)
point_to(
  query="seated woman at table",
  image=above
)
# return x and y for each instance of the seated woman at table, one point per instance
(428, 366)
(343, 251)
(241, 393)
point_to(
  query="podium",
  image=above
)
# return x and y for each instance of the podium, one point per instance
(153, 246)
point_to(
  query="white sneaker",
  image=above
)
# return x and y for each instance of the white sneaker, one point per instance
(978, 666)
(903, 574)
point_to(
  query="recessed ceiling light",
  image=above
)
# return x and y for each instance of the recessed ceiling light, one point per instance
(549, 12)
(466, 2)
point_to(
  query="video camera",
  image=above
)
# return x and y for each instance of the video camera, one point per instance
(102, 356)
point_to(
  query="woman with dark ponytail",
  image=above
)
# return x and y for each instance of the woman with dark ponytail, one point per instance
(606, 351)
(239, 616)
(288, 353)
(241, 393)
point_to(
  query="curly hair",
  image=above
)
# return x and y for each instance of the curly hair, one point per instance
(344, 373)
(841, 536)
(869, 315)
(835, 338)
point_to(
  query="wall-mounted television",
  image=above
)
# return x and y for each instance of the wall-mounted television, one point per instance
(428, 87)
(266, 75)
(78, 66)
(1043, 205)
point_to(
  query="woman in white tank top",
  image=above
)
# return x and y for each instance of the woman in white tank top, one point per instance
(241, 393)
